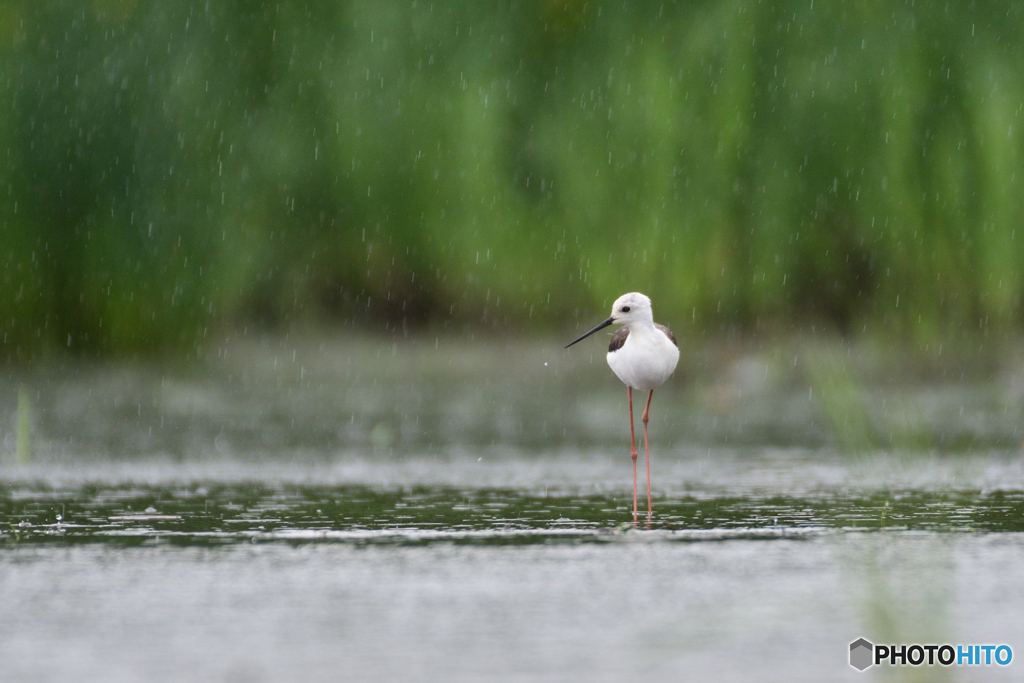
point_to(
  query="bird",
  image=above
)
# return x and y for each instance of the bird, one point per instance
(643, 354)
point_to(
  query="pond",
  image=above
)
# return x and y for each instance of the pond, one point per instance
(441, 509)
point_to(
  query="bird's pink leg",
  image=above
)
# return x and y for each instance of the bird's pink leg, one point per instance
(647, 453)
(632, 445)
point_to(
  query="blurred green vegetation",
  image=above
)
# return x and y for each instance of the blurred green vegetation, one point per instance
(169, 170)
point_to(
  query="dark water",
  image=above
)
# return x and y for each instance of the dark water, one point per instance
(227, 513)
(378, 512)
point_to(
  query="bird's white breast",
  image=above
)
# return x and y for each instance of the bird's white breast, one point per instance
(646, 359)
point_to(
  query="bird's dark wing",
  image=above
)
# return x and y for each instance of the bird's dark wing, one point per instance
(618, 339)
(668, 333)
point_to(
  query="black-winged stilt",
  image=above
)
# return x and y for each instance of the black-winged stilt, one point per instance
(643, 354)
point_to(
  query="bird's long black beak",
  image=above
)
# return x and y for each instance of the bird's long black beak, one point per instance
(601, 326)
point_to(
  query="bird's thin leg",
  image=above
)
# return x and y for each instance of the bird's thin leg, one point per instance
(632, 446)
(647, 453)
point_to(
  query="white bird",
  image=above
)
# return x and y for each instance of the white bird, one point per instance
(643, 354)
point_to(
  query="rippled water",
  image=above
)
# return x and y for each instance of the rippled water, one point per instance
(360, 511)
(226, 513)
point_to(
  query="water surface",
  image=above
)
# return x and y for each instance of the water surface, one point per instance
(366, 511)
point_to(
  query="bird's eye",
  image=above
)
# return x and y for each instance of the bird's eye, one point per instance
(625, 309)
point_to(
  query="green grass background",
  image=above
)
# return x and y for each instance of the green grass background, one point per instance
(171, 170)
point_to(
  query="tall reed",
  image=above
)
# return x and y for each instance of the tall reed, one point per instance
(173, 168)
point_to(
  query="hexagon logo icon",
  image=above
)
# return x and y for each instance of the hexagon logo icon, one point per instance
(861, 654)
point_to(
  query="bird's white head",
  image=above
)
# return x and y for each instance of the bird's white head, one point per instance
(628, 309)
(632, 308)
